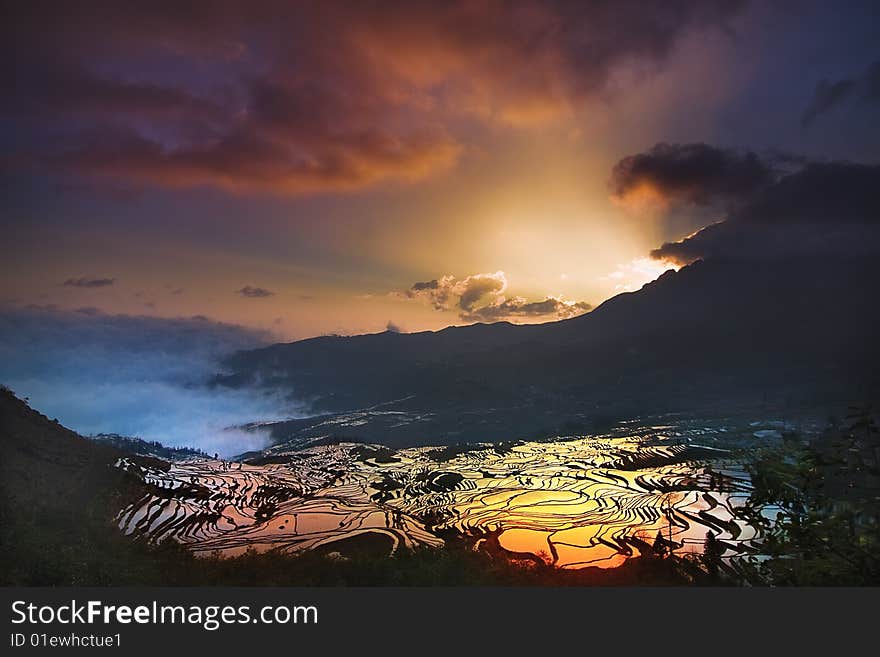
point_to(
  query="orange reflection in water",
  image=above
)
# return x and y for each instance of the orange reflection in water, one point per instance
(592, 501)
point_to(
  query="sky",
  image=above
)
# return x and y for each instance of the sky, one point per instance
(298, 169)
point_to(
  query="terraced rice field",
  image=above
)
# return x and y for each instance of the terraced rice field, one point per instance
(589, 501)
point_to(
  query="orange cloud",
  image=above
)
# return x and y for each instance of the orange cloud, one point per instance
(297, 98)
(242, 164)
(481, 298)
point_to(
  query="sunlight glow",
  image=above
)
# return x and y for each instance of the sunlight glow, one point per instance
(633, 275)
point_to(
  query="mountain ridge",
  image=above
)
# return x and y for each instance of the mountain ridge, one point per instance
(717, 331)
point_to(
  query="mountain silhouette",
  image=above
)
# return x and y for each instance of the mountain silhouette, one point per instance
(714, 336)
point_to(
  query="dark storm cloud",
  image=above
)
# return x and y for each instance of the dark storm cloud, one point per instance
(303, 97)
(828, 95)
(88, 282)
(481, 298)
(691, 173)
(255, 292)
(829, 210)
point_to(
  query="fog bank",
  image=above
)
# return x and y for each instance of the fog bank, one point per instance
(136, 376)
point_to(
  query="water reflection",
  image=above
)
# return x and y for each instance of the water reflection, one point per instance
(590, 501)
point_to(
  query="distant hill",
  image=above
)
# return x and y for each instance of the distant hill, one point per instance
(713, 336)
(131, 445)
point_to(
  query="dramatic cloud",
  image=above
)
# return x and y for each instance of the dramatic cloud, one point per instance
(828, 95)
(438, 292)
(89, 282)
(303, 97)
(255, 292)
(480, 298)
(478, 287)
(689, 173)
(449, 293)
(824, 211)
(504, 309)
(137, 376)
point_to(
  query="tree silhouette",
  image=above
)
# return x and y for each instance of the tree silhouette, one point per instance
(712, 551)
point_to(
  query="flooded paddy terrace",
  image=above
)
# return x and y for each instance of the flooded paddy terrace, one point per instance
(573, 502)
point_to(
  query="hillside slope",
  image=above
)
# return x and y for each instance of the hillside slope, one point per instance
(58, 495)
(713, 335)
